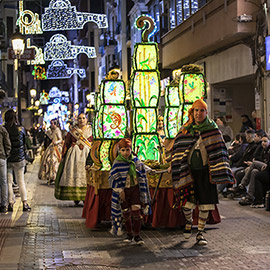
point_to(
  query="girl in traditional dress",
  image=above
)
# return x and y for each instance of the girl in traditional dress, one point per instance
(52, 155)
(71, 182)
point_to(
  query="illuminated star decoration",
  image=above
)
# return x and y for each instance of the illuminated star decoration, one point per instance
(59, 70)
(44, 98)
(39, 58)
(39, 73)
(58, 48)
(60, 15)
(29, 22)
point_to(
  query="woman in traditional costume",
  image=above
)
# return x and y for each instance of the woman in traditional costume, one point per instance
(71, 181)
(52, 156)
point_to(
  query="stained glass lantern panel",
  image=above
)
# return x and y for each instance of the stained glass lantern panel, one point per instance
(147, 146)
(192, 87)
(97, 102)
(173, 122)
(114, 121)
(146, 57)
(145, 89)
(96, 134)
(145, 120)
(104, 154)
(172, 96)
(113, 92)
(99, 123)
(183, 112)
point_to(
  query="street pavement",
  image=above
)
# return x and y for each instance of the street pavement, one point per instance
(54, 236)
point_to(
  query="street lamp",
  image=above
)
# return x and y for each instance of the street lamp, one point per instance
(18, 44)
(37, 103)
(33, 93)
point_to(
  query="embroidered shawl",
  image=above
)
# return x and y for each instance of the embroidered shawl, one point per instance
(117, 181)
(218, 160)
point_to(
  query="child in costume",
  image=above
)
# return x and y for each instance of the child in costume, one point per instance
(129, 192)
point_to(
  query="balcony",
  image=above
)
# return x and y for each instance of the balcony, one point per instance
(214, 27)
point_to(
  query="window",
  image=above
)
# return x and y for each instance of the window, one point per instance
(184, 9)
(9, 27)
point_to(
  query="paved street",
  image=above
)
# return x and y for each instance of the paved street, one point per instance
(53, 236)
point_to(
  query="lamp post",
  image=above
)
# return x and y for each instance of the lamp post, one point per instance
(33, 93)
(18, 44)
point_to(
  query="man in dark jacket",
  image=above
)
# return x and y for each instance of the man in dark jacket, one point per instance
(242, 164)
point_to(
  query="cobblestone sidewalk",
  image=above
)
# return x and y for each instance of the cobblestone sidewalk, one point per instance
(53, 236)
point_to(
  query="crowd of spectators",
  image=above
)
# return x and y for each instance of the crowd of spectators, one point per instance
(249, 155)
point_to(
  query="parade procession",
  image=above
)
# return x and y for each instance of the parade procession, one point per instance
(134, 134)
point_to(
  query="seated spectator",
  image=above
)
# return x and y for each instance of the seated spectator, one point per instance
(262, 185)
(239, 161)
(246, 123)
(239, 190)
(226, 130)
(234, 158)
(258, 140)
(238, 164)
(255, 167)
(236, 144)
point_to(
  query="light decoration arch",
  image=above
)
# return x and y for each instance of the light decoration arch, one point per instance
(59, 48)
(60, 15)
(59, 70)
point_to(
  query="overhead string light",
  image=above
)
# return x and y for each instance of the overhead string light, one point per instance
(60, 15)
(59, 70)
(59, 48)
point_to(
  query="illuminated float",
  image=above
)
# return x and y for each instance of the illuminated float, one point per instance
(145, 94)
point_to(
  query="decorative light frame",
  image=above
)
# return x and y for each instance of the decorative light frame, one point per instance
(39, 73)
(60, 15)
(26, 27)
(59, 48)
(39, 57)
(59, 70)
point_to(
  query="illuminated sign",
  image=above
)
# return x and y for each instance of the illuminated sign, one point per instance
(59, 70)
(28, 21)
(59, 48)
(60, 15)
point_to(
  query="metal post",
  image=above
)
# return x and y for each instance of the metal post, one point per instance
(19, 93)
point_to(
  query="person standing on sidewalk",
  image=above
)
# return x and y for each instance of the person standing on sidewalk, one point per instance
(199, 162)
(16, 160)
(5, 147)
(52, 155)
(130, 191)
(71, 180)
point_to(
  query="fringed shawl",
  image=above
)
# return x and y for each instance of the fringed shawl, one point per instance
(117, 180)
(218, 160)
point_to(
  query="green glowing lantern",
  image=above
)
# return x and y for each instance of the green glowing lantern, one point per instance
(97, 123)
(111, 118)
(145, 94)
(172, 114)
(192, 86)
(112, 115)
